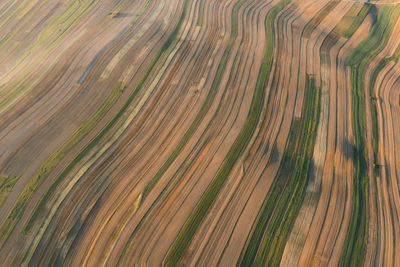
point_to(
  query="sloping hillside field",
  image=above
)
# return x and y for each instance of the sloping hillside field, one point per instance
(199, 133)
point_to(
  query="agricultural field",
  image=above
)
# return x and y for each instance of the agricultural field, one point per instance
(199, 133)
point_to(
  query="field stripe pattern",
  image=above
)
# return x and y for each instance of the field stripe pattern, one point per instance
(199, 133)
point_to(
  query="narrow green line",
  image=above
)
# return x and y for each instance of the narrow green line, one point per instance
(268, 238)
(287, 165)
(52, 162)
(203, 110)
(201, 210)
(44, 171)
(316, 20)
(374, 112)
(17, 210)
(199, 117)
(286, 211)
(354, 249)
(6, 185)
(342, 29)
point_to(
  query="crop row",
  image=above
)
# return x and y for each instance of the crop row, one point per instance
(45, 170)
(356, 239)
(268, 239)
(349, 23)
(208, 198)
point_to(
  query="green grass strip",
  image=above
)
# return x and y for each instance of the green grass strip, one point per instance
(119, 6)
(191, 226)
(268, 238)
(44, 171)
(346, 31)
(203, 110)
(286, 211)
(317, 19)
(141, 12)
(374, 113)
(71, 15)
(200, 115)
(11, 96)
(105, 130)
(353, 253)
(52, 162)
(6, 185)
(377, 39)
(287, 165)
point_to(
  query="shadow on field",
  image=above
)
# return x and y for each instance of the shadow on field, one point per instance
(123, 15)
(348, 149)
(275, 154)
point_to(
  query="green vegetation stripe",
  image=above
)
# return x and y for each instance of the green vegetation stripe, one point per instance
(119, 6)
(286, 211)
(354, 248)
(316, 20)
(44, 171)
(12, 95)
(6, 185)
(374, 113)
(103, 132)
(200, 115)
(141, 12)
(203, 110)
(168, 42)
(189, 229)
(287, 165)
(51, 163)
(346, 31)
(284, 199)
